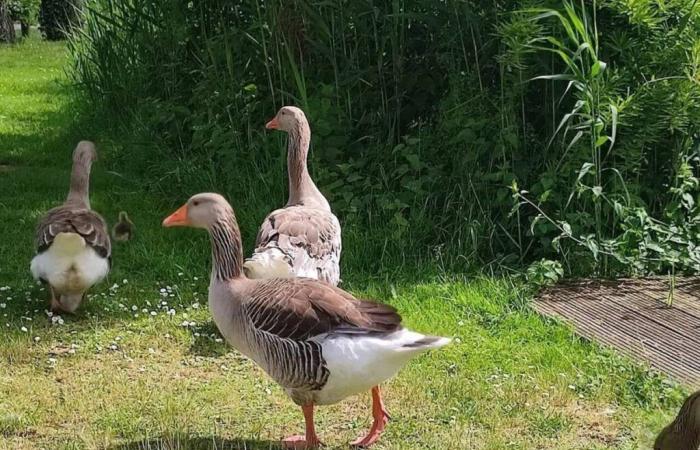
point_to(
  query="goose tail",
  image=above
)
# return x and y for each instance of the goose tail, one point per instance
(427, 343)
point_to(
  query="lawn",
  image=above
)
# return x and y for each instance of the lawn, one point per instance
(141, 366)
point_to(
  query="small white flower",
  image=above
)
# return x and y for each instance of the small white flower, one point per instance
(153, 313)
(162, 290)
(134, 308)
(151, 350)
(125, 281)
(195, 305)
(171, 312)
(219, 340)
(3, 305)
(144, 310)
(24, 329)
(37, 338)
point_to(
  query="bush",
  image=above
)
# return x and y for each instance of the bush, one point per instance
(426, 115)
(58, 17)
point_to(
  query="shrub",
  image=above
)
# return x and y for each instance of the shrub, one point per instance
(424, 115)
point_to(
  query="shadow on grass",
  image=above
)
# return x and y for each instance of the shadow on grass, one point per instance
(198, 443)
(205, 343)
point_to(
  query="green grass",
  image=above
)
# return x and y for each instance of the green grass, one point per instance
(123, 373)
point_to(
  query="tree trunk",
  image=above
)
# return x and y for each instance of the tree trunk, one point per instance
(7, 27)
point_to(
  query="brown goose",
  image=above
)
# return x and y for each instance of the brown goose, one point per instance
(303, 238)
(72, 241)
(317, 341)
(684, 432)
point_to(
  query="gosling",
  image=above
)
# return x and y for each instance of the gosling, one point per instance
(123, 230)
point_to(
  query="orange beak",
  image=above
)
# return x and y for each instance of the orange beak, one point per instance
(273, 124)
(178, 218)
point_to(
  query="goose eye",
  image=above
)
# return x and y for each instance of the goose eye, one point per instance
(195, 203)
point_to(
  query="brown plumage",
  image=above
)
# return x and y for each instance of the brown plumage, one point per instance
(68, 218)
(302, 308)
(684, 432)
(123, 230)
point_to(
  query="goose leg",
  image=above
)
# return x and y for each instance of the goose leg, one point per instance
(55, 304)
(381, 417)
(310, 440)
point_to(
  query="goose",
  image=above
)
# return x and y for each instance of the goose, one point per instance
(123, 230)
(302, 239)
(320, 343)
(684, 432)
(73, 250)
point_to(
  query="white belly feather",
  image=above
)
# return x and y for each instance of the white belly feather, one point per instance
(273, 263)
(69, 265)
(356, 364)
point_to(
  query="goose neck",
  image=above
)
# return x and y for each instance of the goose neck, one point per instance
(227, 252)
(301, 186)
(79, 193)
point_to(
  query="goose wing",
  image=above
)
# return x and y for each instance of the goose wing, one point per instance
(301, 308)
(85, 222)
(316, 231)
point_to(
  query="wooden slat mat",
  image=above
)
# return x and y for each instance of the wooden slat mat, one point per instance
(632, 316)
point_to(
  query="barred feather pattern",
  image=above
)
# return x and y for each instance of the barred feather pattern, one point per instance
(226, 247)
(684, 432)
(282, 323)
(297, 365)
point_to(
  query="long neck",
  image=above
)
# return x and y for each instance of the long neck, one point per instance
(79, 193)
(226, 248)
(301, 187)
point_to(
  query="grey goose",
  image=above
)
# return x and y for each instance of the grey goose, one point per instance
(302, 239)
(73, 250)
(320, 343)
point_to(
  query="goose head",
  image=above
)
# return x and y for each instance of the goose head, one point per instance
(684, 432)
(67, 302)
(85, 153)
(200, 211)
(287, 119)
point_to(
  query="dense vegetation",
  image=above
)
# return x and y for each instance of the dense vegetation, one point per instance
(460, 132)
(58, 17)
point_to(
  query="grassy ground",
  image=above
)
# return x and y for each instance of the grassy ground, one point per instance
(141, 366)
